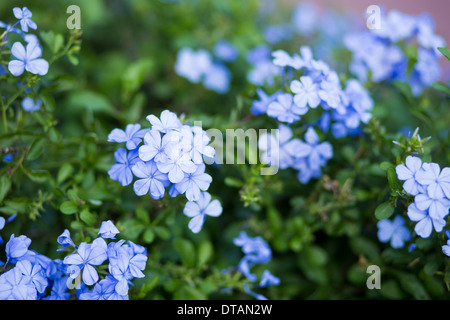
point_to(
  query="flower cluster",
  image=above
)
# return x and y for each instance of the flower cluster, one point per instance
(169, 155)
(256, 251)
(37, 277)
(394, 232)
(306, 156)
(200, 66)
(262, 70)
(318, 85)
(382, 53)
(126, 262)
(26, 57)
(343, 110)
(430, 187)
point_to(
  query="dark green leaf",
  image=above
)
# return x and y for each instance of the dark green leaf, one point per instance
(384, 211)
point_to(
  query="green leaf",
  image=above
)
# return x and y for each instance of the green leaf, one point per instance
(440, 86)
(36, 149)
(147, 287)
(384, 210)
(205, 252)
(385, 165)
(134, 76)
(89, 100)
(64, 172)
(148, 235)
(364, 246)
(189, 293)
(68, 207)
(274, 218)
(88, 217)
(132, 228)
(316, 255)
(5, 185)
(162, 232)
(432, 265)
(392, 179)
(39, 176)
(445, 51)
(143, 215)
(186, 250)
(233, 182)
(413, 286)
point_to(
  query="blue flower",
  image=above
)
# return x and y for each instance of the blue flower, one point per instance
(121, 272)
(27, 59)
(306, 92)
(8, 158)
(316, 154)
(446, 248)
(85, 258)
(108, 230)
(330, 91)
(193, 183)
(437, 182)
(24, 15)
(282, 59)
(17, 247)
(168, 121)
(178, 163)
(217, 78)
(305, 18)
(30, 105)
(193, 65)
(437, 207)
(257, 296)
(277, 148)
(153, 147)
(255, 248)
(261, 106)
(150, 179)
(33, 274)
(397, 26)
(256, 251)
(425, 223)
(121, 171)
(284, 109)
(394, 231)
(15, 286)
(59, 290)
(199, 209)
(263, 72)
(225, 51)
(268, 279)
(277, 33)
(426, 36)
(132, 136)
(198, 145)
(260, 53)
(425, 72)
(105, 289)
(408, 172)
(65, 240)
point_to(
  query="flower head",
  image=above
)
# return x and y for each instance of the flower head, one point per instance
(199, 209)
(121, 171)
(24, 15)
(27, 59)
(394, 231)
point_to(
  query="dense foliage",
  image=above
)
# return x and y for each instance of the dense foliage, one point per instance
(110, 187)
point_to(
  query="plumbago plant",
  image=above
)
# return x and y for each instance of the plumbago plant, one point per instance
(113, 187)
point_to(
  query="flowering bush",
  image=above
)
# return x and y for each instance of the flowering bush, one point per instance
(221, 150)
